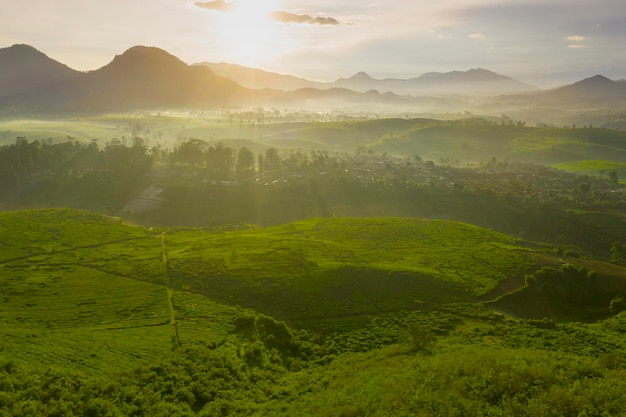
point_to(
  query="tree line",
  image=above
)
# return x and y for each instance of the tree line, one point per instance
(74, 158)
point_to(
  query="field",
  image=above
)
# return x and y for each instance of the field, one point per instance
(594, 167)
(466, 141)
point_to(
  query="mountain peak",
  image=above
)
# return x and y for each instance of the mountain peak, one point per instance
(361, 76)
(146, 60)
(21, 51)
(146, 53)
(480, 71)
(596, 79)
(597, 86)
(22, 67)
(23, 47)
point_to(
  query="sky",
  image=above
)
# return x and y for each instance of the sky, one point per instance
(546, 43)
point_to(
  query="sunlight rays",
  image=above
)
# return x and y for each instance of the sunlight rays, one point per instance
(248, 33)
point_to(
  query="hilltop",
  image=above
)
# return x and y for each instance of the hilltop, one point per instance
(24, 69)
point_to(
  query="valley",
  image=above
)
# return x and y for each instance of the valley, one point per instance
(175, 241)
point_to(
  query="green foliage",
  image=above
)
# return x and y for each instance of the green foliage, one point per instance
(102, 318)
(420, 339)
(567, 293)
(617, 305)
(618, 253)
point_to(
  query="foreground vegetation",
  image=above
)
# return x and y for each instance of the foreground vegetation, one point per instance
(379, 316)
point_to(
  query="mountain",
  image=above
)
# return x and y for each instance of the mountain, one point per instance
(141, 77)
(596, 87)
(24, 68)
(258, 79)
(150, 78)
(474, 81)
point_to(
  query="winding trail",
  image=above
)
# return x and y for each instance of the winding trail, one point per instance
(170, 290)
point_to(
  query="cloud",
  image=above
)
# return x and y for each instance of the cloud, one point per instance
(576, 38)
(577, 46)
(476, 36)
(287, 17)
(217, 5)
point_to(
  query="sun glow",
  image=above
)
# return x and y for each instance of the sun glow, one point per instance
(248, 32)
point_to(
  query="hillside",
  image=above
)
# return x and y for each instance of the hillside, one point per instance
(99, 316)
(301, 272)
(330, 267)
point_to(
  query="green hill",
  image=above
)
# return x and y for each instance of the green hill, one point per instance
(101, 317)
(481, 141)
(66, 271)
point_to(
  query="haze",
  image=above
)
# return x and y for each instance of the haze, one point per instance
(545, 43)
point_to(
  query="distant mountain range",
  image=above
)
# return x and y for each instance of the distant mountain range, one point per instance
(150, 78)
(472, 82)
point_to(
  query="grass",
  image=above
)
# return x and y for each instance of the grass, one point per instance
(321, 268)
(109, 318)
(86, 291)
(110, 287)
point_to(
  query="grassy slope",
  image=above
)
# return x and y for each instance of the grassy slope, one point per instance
(337, 267)
(71, 294)
(70, 276)
(92, 305)
(475, 143)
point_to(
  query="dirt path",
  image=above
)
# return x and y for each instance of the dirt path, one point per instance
(170, 290)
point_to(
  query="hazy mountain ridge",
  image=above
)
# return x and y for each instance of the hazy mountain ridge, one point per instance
(474, 81)
(151, 78)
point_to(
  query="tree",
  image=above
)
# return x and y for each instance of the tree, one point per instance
(190, 152)
(261, 164)
(420, 338)
(614, 178)
(272, 160)
(618, 252)
(221, 159)
(245, 161)
(617, 305)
